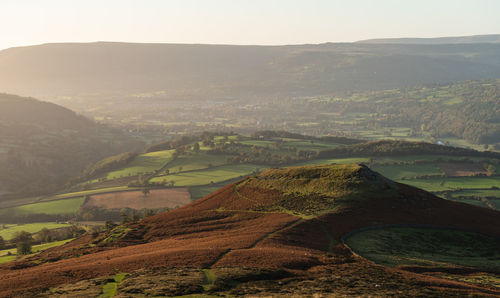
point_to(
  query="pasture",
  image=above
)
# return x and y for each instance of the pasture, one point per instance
(144, 163)
(472, 201)
(455, 183)
(208, 176)
(198, 192)
(64, 206)
(201, 191)
(462, 169)
(8, 232)
(396, 172)
(477, 193)
(88, 192)
(333, 160)
(196, 161)
(155, 199)
(5, 257)
(427, 247)
(495, 202)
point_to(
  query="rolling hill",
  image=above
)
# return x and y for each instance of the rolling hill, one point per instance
(43, 145)
(221, 72)
(272, 234)
(490, 38)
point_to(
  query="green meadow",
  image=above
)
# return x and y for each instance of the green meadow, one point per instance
(427, 247)
(208, 176)
(454, 183)
(64, 206)
(144, 163)
(407, 171)
(88, 192)
(5, 257)
(334, 160)
(197, 161)
(8, 232)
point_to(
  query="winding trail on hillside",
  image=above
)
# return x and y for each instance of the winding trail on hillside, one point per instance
(256, 242)
(253, 245)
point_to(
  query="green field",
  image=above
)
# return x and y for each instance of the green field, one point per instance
(88, 192)
(431, 185)
(4, 257)
(472, 202)
(289, 143)
(396, 172)
(472, 182)
(65, 206)
(495, 203)
(197, 161)
(261, 143)
(201, 191)
(9, 231)
(17, 202)
(411, 158)
(427, 247)
(333, 160)
(208, 176)
(478, 193)
(454, 183)
(144, 163)
(307, 145)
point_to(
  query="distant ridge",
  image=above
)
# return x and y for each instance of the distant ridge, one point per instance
(204, 72)
(490, 38)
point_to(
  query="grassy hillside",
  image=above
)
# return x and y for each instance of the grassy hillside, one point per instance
(427, 247)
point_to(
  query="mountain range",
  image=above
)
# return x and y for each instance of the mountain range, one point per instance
(490, 38)
(204, 72)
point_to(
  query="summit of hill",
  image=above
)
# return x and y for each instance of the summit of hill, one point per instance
(266, 234)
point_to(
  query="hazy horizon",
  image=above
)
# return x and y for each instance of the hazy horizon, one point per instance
(243, 22)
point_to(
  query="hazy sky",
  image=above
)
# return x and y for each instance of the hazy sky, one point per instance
(27, 22)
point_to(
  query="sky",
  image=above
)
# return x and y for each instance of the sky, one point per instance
(265, 22)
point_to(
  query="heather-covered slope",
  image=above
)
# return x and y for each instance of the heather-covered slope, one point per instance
(281, 227)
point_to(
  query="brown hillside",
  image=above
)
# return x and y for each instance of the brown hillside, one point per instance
(288, 222)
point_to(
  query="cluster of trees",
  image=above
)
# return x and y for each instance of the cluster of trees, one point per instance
(116, 215)
(395, 148)
(468, 110)
(24, 241)
(107, 164)
(273, 134)
(260, 154)
(13, 218)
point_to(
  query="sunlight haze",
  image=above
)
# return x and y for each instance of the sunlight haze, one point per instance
(29, 22)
